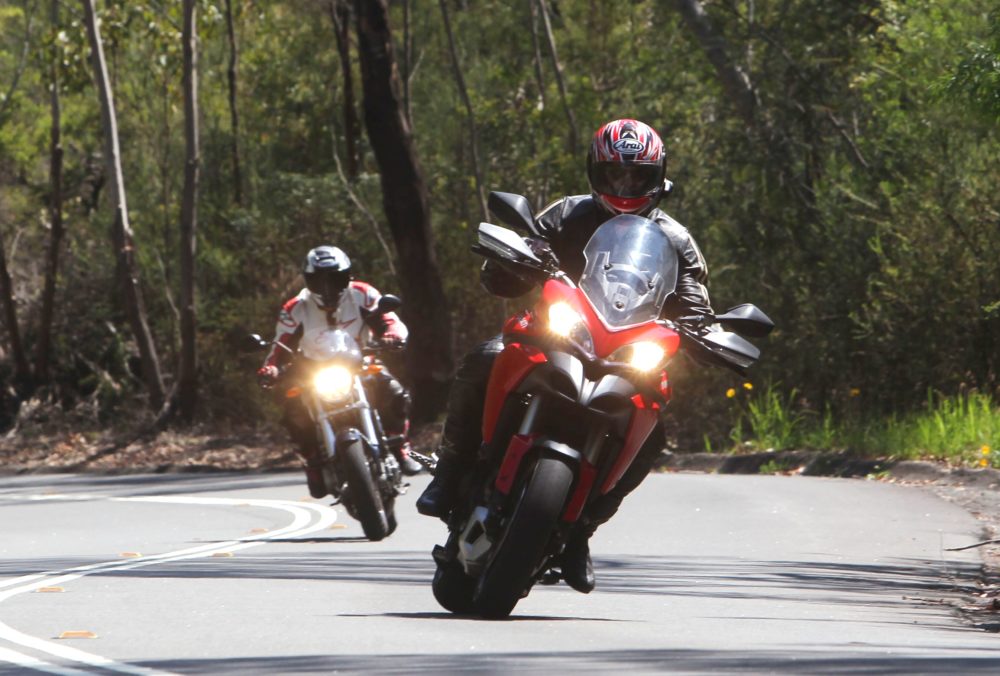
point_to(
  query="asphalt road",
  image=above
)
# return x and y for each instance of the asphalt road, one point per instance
(697, 574)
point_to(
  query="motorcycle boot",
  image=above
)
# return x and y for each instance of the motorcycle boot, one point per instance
(577, 567)
(315, 481)
(407, 464)
(441, 493)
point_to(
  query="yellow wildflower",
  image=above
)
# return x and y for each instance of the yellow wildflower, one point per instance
(747, 386)
(983, 462)
(731, 392)
(985, 450)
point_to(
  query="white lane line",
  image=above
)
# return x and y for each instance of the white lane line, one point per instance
(38, 665)
(302, 514)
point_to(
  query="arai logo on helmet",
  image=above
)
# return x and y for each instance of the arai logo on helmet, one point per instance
(628, 146)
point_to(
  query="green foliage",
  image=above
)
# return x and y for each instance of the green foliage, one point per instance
(955, 428)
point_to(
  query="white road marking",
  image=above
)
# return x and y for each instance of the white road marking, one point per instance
(33, 663)
(302, 513)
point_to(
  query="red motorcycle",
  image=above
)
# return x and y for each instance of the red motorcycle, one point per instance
(571, 399)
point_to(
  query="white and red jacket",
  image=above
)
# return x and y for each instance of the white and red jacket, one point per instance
(302, 316)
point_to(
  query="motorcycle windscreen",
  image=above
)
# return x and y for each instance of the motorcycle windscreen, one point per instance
(327, 344)
(631, 269)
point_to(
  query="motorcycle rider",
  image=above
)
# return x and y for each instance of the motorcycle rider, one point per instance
(626, 168)
(331, 299)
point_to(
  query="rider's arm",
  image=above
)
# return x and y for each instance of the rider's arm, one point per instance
(503, 282)
(390, 325)
(287, 332)
(691, 295)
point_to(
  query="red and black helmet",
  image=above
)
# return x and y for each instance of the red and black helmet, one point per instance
(626, 167)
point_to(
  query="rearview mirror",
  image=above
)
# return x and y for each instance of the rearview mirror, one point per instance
(388, 303)
(253, 343)
(746, 319)
(513, 210)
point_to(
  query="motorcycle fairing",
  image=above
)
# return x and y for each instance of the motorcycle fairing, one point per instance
(606, 338)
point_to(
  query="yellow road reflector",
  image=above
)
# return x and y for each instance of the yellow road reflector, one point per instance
(337, 526)
(78, 634)
(222, 555)
(49, 590)
(130, 555)
(258, 530)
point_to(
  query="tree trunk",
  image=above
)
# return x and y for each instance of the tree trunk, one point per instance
(22, 372)
(121, 230)
(340, 13)
(43, 347)
(574, 134)
(187, 381)
(407, 61)
(537, 50)
(734, 81)
(404, 198)
(234, 118)
(464, 93)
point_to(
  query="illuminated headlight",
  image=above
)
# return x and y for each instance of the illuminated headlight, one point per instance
(566, 322)
(333, 382)
(642, 356)
(563, 318)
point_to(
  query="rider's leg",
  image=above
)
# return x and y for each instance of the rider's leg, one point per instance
(302, 430)
(462, 434)
(577, 568)
(393, 404)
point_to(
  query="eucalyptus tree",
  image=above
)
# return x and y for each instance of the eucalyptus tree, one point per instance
(123, 238)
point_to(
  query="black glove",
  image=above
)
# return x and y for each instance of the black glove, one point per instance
(544, 251)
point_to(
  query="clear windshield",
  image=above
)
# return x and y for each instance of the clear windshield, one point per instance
(631, 269)
(327, 344)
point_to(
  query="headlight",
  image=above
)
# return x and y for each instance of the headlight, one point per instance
(566, 322)
(563, 318)
(333, 382)
(642, 356)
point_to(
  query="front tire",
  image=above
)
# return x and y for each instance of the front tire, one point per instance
(453, 589)
(525, 538)
(362, 492)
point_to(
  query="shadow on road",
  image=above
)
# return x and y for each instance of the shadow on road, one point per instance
(336, 560)
(685, 661)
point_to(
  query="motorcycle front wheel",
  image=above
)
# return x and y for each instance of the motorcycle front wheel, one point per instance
(362, 492)
(525, 538)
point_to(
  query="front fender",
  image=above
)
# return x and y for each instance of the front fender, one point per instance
(523, 445)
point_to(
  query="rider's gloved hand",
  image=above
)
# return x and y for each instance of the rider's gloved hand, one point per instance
(543, 250)
(392, 340)
(267, 376)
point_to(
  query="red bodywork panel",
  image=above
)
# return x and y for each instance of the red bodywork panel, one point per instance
(584, 483)
(642, 423)
(510, 368)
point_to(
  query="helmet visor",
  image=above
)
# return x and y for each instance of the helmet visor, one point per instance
(328, 284)
(625, 180)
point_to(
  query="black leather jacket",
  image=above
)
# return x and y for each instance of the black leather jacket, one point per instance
(567, 226)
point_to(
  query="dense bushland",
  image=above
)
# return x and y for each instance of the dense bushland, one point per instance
(848, 184)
